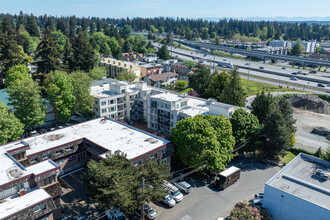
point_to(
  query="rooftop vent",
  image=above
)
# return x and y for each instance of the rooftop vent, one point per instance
(103, 120)
(323, 174)
(54, 137)
(14, 172)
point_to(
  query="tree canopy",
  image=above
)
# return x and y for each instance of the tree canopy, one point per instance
(126, 75)
(116, 182)
(163, 53)
(200, 79)
(204, 139)
(218, 83)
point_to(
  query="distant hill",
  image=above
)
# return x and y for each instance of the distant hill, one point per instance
(316, 20)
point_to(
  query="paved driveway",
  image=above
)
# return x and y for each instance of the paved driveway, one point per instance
(208, 203)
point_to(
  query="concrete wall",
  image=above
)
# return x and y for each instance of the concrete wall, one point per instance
(284, 206)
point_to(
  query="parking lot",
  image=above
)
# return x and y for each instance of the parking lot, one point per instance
(74, 200)
(206, 202)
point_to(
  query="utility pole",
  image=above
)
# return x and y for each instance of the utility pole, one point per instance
(142, 207)
(171, 45)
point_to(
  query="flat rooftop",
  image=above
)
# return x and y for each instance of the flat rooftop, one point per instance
(298, 178)
(18, 203)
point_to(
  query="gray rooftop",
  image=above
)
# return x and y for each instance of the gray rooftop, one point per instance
(299, 179)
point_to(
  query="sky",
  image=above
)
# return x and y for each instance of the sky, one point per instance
(170, 8)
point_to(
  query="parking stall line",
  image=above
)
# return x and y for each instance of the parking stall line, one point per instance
(76, 178)
(73, 210)
(68, 185)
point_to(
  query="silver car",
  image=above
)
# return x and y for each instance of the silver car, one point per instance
(183, 186)
(169, 201)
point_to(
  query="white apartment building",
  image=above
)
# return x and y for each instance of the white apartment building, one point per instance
(280, 43)
(310, 46)
(161, 109)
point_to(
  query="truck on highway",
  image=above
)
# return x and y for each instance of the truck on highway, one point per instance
(227, 177)
(225, 64)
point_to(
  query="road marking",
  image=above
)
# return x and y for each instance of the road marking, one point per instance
(70, 187)
(186, 217)
(76, 178)
(73, 210)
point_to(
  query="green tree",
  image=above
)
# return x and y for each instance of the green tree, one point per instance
(60, 39)
(217, 40)
(115, 48)
(246, 129)
(81, 90)
(270, 31)
(60, 93)
(29, 43)
(126, 31)
(233, 93)
(17, 73)
(163, 53)
(48, 53)
(32, 27)
(181, 84)
(116, 182)
(297, 49)
(262, 106)
(25, 97)
(10, 127)
(204, 139)
(62, 26)
(126, 75)
(83, 55)
(263, 34)
(161, 29)
(138, 43)
(200, 79)
(326, 155)
(218, 83)
(97, 73)
(189, 64)
(67, 54)
(127, 47)
(319, 153)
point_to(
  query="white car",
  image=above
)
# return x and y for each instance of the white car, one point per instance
(150, 212)
(259, 196)
(183, 185)
(174, 191)
(168, 200)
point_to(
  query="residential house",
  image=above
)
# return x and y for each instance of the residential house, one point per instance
(161, 80)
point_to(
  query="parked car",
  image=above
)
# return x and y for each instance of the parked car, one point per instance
(312, 72)
(194, 58)
(293, 78)
(328, 84)
(115, 214)
(168, 200)
(259, 196)
(294, 73)
(183, 186)
(205, 55)
(150, 212)
(42, 130)
(261, 67)
(33, 133)
(320, 85)
(256, 202)
(51, 129)
(305, 74)
(224, 60)
(174, 191)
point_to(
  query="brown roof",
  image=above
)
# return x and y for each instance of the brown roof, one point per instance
(162, 76)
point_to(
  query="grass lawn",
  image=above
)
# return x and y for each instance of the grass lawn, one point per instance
(288, 157)
(185, 90)
(252, 87)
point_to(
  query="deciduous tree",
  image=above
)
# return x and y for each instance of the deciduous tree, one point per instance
(10, 127)
(218, 83)
(126, 75)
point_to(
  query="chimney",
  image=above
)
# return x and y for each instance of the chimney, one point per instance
(22, 192)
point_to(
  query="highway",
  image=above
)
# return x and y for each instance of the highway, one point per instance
(258, 54)
(278, 76)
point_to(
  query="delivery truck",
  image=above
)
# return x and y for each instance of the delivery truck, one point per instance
(227, 177)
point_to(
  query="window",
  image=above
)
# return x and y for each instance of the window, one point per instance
(183, 103)
(46, 156)
(96, 102)
(59, 152)
(110, 102)
(103, 103)
(112, 116)
(72, 158)
(104, 110)
(114, 62)
(33, 160)
(137, 163)
(164, 152)
(177, 106)
(39, 208)
(69, 148)
(59, 162)
(125, 65)
(152, 156)
(113, 109)
(130, 66)
(164, 160)
(123, 91)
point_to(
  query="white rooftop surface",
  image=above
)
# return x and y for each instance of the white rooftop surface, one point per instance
(110, 135)
(167, 96)
(41, 167)
(229, 171)
(190, 111)
(104, 90)
(17, 203)
(6, 163)
(298, 179)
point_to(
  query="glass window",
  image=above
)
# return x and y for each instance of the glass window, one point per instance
(104, 110)
(103, 103)
(45, 156)
(59, 162)
(137, 163)
(110, 102)
(123, 91)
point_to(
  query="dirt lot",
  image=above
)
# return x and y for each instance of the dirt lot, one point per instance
(305, 123)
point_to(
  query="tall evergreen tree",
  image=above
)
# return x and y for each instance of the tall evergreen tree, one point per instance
(67, 55)
(32, 27)
(217, 84)
(127, 47)
(84, 57)
(200, 79)
(21, 21)
(233, 93)
(48, 53)
(72, 28)
(262, 106)
(62, 26)
(163, 53)
(50, 23)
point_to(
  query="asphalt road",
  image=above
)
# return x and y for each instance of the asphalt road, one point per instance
(207, 203)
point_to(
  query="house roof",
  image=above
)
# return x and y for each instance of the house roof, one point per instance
(183, 71)
(162, 76)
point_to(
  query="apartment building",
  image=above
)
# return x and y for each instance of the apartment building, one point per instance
(150, 69)
(114, 67)
(310, 46)
(29, 188)
(161, 109)
(280, 43)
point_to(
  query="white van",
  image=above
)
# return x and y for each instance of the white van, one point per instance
(174, 191)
